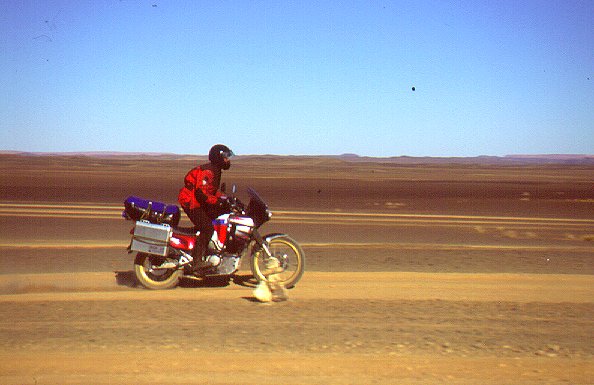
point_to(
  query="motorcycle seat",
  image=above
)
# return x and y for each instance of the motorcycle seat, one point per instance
(185, 230)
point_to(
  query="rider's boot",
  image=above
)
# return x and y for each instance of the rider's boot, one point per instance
(198, 257)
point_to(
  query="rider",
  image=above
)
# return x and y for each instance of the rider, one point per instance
(201, 199)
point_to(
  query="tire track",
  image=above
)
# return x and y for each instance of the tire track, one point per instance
(87, 211)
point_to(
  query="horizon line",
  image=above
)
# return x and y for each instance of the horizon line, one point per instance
(343, 155)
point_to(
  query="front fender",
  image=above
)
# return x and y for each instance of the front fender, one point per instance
(261, 242)
(271, 236)
(260, 239)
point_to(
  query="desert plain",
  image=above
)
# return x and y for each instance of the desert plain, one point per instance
(417, 272)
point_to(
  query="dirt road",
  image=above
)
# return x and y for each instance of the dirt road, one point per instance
(338, 328)
(418, 274)
(62, 237)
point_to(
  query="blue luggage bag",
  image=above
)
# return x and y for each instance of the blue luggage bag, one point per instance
(136, 209)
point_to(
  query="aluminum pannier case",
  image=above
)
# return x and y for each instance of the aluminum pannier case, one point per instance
(151, 238)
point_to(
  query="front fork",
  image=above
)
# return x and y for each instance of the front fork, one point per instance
(273, 265)
(262, 243)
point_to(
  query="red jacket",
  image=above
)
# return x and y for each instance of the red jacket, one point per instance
(201, 186)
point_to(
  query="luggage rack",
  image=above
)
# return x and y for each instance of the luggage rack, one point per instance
(149, 211)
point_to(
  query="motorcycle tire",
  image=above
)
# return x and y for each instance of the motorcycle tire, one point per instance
(155, 279)
(290, 256)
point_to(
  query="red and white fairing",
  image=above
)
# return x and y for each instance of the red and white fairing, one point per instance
(241, 226)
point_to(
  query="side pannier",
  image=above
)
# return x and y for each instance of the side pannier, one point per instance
(137, 209)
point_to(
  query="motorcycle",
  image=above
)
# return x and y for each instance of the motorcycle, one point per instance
(164, 250)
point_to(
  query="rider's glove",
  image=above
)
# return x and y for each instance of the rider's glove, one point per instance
(224, 203)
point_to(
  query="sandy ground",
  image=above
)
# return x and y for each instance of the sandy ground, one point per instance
(418, 274)
(336, 328)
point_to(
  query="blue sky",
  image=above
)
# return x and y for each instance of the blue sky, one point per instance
(298, 77)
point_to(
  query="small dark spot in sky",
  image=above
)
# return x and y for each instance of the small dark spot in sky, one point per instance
(413, 88)
(51, 24)
(154, 5)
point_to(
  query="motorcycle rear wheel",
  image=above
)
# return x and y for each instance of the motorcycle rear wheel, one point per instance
(290, 257)
(155, 279)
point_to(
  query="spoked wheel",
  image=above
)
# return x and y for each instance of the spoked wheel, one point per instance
(149, 272)
(287, 258)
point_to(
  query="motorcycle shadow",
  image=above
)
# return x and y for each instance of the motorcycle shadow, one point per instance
(128, 279)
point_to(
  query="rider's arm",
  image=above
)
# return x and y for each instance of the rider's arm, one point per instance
(205, 191)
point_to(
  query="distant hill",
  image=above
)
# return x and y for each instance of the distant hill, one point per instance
(573, 159)
(552, 156)
(91, 154)
(483, 159)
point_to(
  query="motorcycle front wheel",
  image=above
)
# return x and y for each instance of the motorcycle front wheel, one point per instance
(286, 254)
(150, 276)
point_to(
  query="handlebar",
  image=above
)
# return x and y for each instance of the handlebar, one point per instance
(235, 205)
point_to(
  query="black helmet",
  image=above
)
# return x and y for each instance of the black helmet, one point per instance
(217, 155)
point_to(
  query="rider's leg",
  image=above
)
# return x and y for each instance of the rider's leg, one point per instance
(203, 223)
